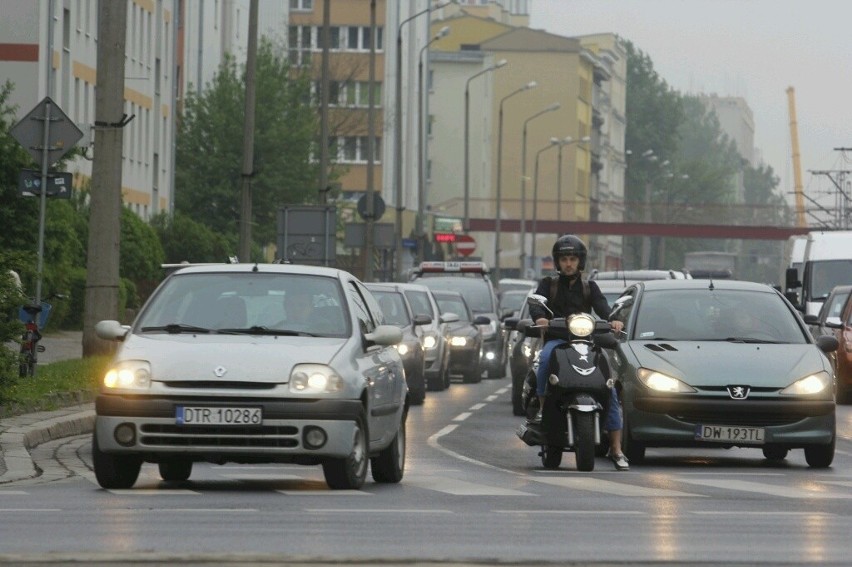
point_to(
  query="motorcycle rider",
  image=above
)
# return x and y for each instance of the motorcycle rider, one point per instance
(568, 294)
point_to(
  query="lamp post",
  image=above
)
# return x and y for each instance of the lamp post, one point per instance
(421, 142)
(565, 142)
(497, 65)
(551, 108)
(497, 227)
(398, 133)
(554, 142)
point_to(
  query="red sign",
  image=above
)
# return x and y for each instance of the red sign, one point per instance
(445, 237)
(465, 244)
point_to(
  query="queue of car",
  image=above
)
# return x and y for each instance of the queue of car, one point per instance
(281, 363)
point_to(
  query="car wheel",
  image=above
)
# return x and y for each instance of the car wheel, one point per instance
(445, 371)
(820, 456)
(551, 457)
(175, 470)
(632, 449)
(389, 465)
(349, 473)
(114, 471)
(775, 453)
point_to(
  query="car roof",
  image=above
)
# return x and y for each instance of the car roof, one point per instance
(301, 269)
(447, 293)
(637, 275)
(737, 285)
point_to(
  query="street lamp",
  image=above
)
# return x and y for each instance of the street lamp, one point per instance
(497, 227)
(398, 132)
(551, 108)
(554, 142)
(497, 65)
(562, 143)
(421, 142)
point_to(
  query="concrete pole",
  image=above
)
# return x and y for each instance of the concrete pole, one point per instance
(371, 148)
(324, 102)
(248, 137)
(102, 275)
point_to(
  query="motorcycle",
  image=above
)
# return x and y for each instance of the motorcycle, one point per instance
(577, 391)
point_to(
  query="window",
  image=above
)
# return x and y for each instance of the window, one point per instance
(362, 312)
(352, 37)
(302, 5)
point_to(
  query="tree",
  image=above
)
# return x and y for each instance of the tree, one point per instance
(209, 146)
(184, 239)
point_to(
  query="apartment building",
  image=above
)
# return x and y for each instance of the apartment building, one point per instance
(49, 48)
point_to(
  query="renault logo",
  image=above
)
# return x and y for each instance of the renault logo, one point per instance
(739, 392)
(219, 371)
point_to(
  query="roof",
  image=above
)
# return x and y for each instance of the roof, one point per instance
(261, 268)
(526, 39)
(739, 285)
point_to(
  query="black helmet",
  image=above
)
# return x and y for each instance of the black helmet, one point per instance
(569, 245)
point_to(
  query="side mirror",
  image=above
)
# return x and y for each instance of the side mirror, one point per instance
(449, 318)
(811, 319)
(536, 299)
(422, 320)
(510, 323)
(110, 330)
(481, 320)
(827, 343)
(791, 279)
(385, 335)
(833, 323)
(507, 312)
(793, 297)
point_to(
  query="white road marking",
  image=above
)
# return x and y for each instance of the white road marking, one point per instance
(759, 488)
(475, 407)
(460, 487)
(462, 416)
(261, 476)
(199, 510)
(374, 511)
(574, 512)
(3, 510)
(328, 492)
(773, 513)
(12, 492)
(491, 398)
(612, 488)
(503, 390)
(153, 492)
(433, 442)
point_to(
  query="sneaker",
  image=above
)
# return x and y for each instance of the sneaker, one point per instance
(620, 462)
(535, 419)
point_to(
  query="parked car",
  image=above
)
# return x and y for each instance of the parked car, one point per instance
(835, 318)
(223, 365)
(398, 311)
(465, 336)
(721, 364)
(434, 336)
(471, 280)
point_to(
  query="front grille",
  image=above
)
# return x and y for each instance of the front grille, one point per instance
(734, 418)
(219, 385)
(169, 435)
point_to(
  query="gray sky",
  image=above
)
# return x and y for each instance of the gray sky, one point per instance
(749, 48)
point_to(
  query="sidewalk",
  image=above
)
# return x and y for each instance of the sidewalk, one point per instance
(21, 433)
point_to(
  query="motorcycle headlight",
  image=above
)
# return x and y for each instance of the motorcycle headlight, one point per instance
(662, 383)
(809, 385)
(314, 379)
(581, 325)
(129, 375)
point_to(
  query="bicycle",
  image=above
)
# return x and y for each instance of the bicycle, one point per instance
(34, 316)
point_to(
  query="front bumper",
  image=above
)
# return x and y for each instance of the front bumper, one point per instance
(672, 422)
(278, 438)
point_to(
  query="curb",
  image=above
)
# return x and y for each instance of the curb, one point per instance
(27, 432)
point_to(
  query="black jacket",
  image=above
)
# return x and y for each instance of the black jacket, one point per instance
(569, 299)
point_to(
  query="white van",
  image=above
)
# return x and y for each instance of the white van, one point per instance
(827, 263)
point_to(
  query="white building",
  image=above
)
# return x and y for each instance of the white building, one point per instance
(64, 32)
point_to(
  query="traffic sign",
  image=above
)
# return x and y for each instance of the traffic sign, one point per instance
(62, 132)
(378, 207)
(58, 184)
(465, 244)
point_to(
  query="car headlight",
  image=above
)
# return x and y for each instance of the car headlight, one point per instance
(401, 348)
(662, 383)
(458, 341)
(581, 325)
(527, 350)
(429, 342)
(129, 375)
(809, 385)
(314, 379)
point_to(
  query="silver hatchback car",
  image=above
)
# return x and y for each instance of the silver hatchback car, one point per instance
(253, 363)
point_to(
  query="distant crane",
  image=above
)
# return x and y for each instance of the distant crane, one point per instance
(797, 165)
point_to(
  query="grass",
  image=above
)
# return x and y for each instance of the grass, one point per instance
(55, 385)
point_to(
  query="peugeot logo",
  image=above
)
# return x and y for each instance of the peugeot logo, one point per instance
(738, 392)
(220, 371)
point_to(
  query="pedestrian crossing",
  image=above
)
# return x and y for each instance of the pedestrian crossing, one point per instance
(292, 481)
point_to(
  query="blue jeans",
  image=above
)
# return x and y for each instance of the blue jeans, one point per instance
(613, 421)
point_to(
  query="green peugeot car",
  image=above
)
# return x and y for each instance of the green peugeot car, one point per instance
(706, 363)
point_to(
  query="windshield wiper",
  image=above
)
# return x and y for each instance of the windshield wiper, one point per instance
(751, 340)
(177, 328)
(261, 330)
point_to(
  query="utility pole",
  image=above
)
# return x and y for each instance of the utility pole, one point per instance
(248, 137)
(102, 277)
(324, 100)
(371, 148)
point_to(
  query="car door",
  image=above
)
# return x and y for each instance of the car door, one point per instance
(380, 366)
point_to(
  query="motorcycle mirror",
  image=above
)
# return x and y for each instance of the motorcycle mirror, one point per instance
(536, 299)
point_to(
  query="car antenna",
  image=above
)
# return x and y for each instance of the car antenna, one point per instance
(255, 267)
(712, 287)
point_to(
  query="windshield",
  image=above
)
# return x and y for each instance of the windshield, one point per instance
(254, 303)
(513, 300)
(705, 315)
(476, 291)
(453, 305)
(420, 303)
(393, 306)
(825, 274)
